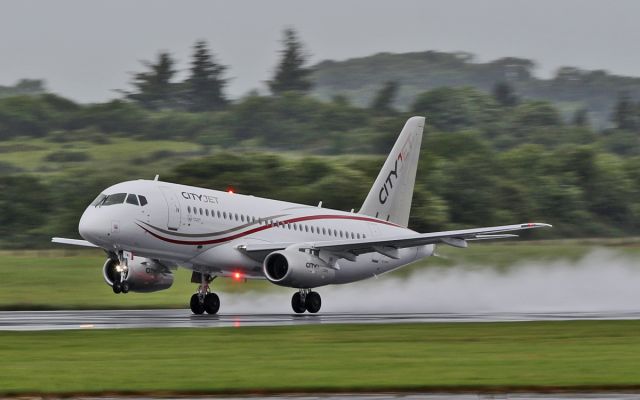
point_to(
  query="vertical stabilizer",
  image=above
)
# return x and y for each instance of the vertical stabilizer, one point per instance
(390, 197)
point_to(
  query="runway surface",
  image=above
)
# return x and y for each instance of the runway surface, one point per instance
(117, 319)
(417, 396)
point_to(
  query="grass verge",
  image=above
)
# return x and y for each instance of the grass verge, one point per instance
(72, 279)
(540, 356)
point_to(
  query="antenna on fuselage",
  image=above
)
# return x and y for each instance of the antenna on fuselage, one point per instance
(156, 178)
(320, 204)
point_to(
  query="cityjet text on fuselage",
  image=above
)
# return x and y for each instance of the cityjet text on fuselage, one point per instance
(200, 197)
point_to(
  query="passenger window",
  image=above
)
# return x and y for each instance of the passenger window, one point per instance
(132, 199)
(323, 231)
(218, 214)
(189, 209)
(206, 212)
(224, 214)
(112, 199)
(143, 200)
(201, 211)
(242, 218)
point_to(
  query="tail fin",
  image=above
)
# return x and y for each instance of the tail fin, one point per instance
(390, 197)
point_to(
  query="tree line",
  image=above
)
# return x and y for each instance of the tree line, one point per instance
(488, 157)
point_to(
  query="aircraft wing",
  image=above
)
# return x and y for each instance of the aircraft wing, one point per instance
(387, 245)
(74, 242)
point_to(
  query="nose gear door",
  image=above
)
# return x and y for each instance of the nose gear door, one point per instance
(173, 208)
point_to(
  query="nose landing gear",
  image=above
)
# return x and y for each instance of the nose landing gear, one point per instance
(203, 300)
(120, 284)
(306, 300)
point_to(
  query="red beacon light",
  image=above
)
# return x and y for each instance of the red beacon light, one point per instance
(230, 190)
(237, 276)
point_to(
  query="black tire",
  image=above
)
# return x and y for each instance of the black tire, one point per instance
(117, 287)
(313, 302)
(297, 304)
(211, 303)
(195, 305)
(124, 287)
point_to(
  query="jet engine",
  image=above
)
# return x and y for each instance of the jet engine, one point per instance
(141, 274)
(297, 268)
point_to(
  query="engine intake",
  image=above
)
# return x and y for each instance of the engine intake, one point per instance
(142, 274)
(296, 268)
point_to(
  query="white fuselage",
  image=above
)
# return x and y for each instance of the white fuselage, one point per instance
(202, 230)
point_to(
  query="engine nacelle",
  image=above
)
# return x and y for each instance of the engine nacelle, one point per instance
(142, 274)
(297, 268)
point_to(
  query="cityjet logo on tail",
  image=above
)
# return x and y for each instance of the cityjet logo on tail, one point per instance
(385, 190)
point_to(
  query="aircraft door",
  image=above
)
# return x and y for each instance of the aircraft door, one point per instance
(173, 208)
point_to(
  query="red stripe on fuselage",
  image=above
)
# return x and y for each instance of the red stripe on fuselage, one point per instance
(261, 228)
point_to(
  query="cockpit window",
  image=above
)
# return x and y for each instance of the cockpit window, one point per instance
(143, 200)
(132, 199)
(117, 198)
(99, 199)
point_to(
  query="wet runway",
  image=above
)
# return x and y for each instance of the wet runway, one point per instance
(117, 319)
(417, 396)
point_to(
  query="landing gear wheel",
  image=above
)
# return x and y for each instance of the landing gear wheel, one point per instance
(117, 287)
(211, 303)
(124, 286)
(313, 302)
(195, 305)
(297, 304)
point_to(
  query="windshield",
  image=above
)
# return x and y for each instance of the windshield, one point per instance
(111, 199)
(99, 199)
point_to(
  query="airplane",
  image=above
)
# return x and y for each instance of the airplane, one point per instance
(149, 228)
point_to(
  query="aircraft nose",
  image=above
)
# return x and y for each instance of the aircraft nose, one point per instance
(88, 226)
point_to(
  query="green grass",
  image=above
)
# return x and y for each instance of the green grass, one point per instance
(72, 279)
(480, 356)
(29, 154)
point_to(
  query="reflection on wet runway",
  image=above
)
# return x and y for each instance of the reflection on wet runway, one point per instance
(117, 319)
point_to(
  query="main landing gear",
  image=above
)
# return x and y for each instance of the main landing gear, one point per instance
(306, 300)
(203, 300)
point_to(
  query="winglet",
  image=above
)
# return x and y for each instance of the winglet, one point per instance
(532, 225)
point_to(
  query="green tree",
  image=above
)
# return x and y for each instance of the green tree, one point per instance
(581, 117)
(450, 109)
(383, 101)
(291, 74)
(625, 115)
(154, 88)
(205, 86)
(505, 95)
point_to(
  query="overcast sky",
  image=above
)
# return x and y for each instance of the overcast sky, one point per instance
(86, 49)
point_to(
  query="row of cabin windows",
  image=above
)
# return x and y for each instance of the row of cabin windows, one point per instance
(119, 198)
(277, 224)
